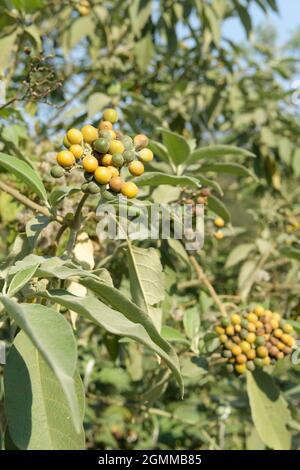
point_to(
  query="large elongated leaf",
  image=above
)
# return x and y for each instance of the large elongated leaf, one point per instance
(116, 323)
(269, 410)
(178, 148)
(25, 173)
(21, 278)
(36, 408)
(238, 254)
(217, 206)
(34, 227)
(157, 178)
(159, 150)
(216, 151)
(53, 337)
(229, 168)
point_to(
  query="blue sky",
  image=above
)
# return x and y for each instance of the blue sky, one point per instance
(288, 20)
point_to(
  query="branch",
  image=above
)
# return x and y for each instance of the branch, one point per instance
(202, 279)
(24, 200)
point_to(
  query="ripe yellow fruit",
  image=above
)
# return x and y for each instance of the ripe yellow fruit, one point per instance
(65, 158)
(77, 150)
(90, 133)
(219, 222)
(251, 354)
(219, 330)
(110, 115)
(90, 163)
(280, 345)
(266, 361)
(107, 159)
(241, 359)
(223, 338)
(105, 126)
(136, 168)
(129, 189)
(251, 317)
(274, 324)
(285, 338)
(251, 337)
(268, 313)
(229, 330)
(251, 327)
(259, 324)
(240, 368)
(116, 146)
(235, 319)
(287, 328)
(219, 235)
(259, 310)
(238, 328)
(276, 316)
(140, 141)
(262, 351)
(74, 136)
(66, 143)
(146, 155)
(114, 171)
(102, 175)
(278, 333)
(236, 350)
(245, 347)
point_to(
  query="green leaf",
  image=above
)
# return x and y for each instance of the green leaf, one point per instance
(244, 16)
(21, 278)
(159, 150)
(6, 46)
(216, 206)
(59, 194)
(238, 254)
(36, 409)
(216, 151)
(269, 410)
(178, 148)
(139, 12)
(34, 227)
(96, 102)
(25, 173)
(230, 168)
(117, 324)
(191, 322)
(52, 335)
(210, 183)
(173, 335)
(291, 253)
(157, 178)
(143, 50)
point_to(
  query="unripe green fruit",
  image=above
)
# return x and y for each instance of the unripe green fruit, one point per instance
(105, 134)
(107, 195)
(260, 340)
(69, 216)
(84, 187)
(227, 354)
(224, 321)
(244, 323)
(258, 362)
(101, 145)
(229, 368)
(250, 366)
(57, 171)
(118, 160)
(129, 155)
(93, 188)
(127, 142)
(244, 333)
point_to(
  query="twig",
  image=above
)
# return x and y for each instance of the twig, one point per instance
(24, 200)
(202, 278)
(76, 224)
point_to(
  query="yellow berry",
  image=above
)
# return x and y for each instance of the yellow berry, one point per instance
(235, 319)
(129, 189)
(245, 347)
(90, 133)
(280, 345)
(74, 136)
(258, 324)
(241, 359)
(77, 150)
(102, 175)
(262, 351)
(266, 361)
(146, 155)
(287, 328)
(116, 146)
(278, 333)
(114, 171)
(66, 143)
(136, 168)
(223, 338)
(251, 354)
(90, 163)
(274, 324)
(219, 235)
(107, 159)
(110, 115)
(219, 330)
(219, 222)
(236, 350)
(268, 313)
(240, 368)
(238, 328)
(116, 184)
(276, 316)
(251, 327)
(229, 330)
(65, 158)
(105, 126)
(259, 310)
(140, 141)
(251, 337)
(285, 338)
(251, 317)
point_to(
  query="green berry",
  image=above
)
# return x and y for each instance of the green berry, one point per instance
(101, 145)
(250, 366)
(107, 195)
(118, 160)
(244, 333)
(229, 367)
(244, 323)
(129, 155)
(127, 142)
(227, 353)
(84, 186)
(105, 134)
(224, 321)
(57, 171)
(260, 341)
(258, 362)
(93, 188)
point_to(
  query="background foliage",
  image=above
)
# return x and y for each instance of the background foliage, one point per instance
(163, 64)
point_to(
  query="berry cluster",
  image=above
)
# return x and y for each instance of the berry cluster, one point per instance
(257, 338)
(102, 153)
